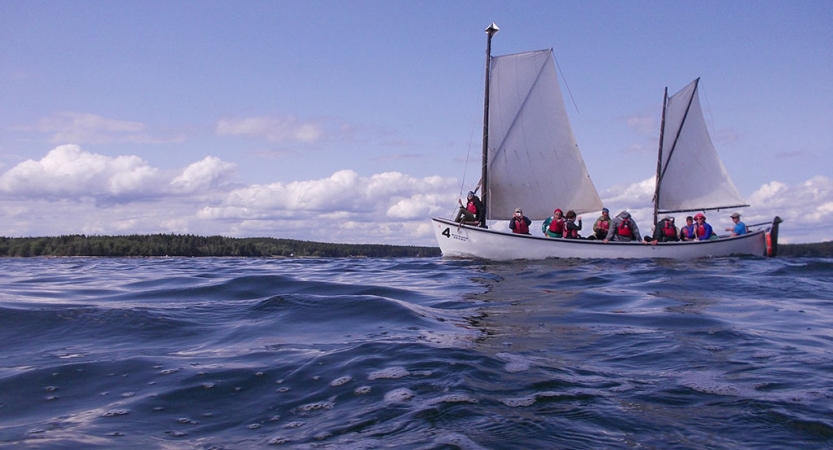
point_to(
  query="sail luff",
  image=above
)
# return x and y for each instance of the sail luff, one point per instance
(658, 182)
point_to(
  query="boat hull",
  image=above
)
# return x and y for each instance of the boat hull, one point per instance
(463, 241)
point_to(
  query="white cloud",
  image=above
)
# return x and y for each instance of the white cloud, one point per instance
(209, 172)
(60, 194)
(87, 128)
(274, 129)
(68, 171)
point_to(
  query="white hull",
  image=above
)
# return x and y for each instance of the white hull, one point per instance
(463, 241)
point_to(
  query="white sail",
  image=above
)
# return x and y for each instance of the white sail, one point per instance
(691, 176)
(533, 159)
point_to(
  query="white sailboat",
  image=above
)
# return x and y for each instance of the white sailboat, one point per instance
(530, 158)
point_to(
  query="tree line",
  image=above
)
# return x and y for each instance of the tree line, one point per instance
(191, 245)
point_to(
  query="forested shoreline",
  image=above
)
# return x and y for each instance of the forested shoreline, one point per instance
(196, 246)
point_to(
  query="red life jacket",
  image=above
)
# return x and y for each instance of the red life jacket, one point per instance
(557, 226)
(521, 227)
(472, 208)
(571, 234)
(669, 230)
(625, 228)
(604, 225)
(700, 231)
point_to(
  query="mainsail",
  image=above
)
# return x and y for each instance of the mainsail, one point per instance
(533, 159)
(690, 175)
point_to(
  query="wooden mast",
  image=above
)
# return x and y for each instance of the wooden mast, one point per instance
(659, 156)
(484, 176)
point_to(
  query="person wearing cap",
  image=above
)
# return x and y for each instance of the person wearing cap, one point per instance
(554, 225)
(623, 229)
(739, 228)
(665, 231)
(473, 213)
(702, 230)
(519, 224)
(601, 225)
(687, 232)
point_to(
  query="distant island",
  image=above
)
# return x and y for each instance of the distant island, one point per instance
(196, 246)
(193, 246)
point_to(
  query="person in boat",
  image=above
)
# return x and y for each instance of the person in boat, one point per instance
(687, 232)
(702, 230)
(623, 229)
(519, 224)
(554, 225)
(739, 228)
(571, 229)
(601, 225)
(473, 212)
(664, 231)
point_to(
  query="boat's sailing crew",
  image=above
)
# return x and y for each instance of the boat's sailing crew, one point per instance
(472, 213)
(665, 231)
(623, 228)
(554, 225)
(601, 225)
(739, 228)
(687, 232)
(702, 230)
(571, 229)
(519, 223)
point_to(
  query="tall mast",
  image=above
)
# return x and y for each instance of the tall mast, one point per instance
(659, 156)
(484, 176)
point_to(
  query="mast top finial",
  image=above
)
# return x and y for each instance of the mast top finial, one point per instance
(492, 29)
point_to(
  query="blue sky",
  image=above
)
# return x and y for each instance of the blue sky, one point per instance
(354, 121)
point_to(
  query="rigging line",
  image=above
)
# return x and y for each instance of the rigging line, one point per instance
(475, 123)
(565, 81)
(711, 116)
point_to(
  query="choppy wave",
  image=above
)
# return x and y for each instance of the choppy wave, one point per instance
(415, 353)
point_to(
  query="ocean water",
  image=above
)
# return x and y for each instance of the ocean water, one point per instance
(214, 353)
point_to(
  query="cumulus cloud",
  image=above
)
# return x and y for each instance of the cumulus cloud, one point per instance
(210, 172)
(61, 193)
(68, 172)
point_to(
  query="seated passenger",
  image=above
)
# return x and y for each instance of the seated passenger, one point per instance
(665, 231)
(623, 229)
(601, 225)
(554, 225)
(739, 228)
(687, 232)
(570, 228)
(702, 230)
(473, 213)
(519, 223)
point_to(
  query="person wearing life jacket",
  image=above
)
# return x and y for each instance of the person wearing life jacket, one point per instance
(687, 232)
(623, 229)
(519, 224)
(554, 225)
(601, 225)
(665, 231)
(473, 213)
(571, 229)
(739, 228)
(702, 230)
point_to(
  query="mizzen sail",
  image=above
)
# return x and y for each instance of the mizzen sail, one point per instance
(691, 176)
(533, 159)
